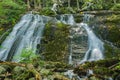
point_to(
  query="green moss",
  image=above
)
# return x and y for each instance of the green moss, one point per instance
(108, 51)
(111, 52)
(102, 68)
(55, 41)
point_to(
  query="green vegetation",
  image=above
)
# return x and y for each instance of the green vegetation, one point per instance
(10, 12)
(27, 56)
(116, 7)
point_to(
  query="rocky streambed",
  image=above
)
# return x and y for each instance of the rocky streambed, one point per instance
(46, 70)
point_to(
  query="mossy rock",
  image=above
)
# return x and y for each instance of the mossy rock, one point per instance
(101, 68)
(111, 52)
(55, 41)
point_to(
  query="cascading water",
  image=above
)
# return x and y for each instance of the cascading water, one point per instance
(26, 34)
(67, 19)
(95, 45)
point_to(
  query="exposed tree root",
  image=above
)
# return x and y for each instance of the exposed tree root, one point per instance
(12, 64)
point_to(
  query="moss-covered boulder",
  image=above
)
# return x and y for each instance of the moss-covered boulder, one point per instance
(102, 69)
(55, 41)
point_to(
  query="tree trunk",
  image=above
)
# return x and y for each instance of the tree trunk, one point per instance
(28, 5)
(35, 4)
(69, 4)
(115, 1)
(39, 4)
(78, 6)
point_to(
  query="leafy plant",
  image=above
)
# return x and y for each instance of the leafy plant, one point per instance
(116, 7)
(27, 56)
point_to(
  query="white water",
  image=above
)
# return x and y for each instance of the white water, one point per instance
(95, 45)
(25, 35)
(67, 19)
(28, 32)
(54, 7)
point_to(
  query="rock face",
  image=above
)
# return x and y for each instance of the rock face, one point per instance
(78, 44)
(55, 42)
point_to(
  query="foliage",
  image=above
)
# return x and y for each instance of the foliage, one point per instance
(47, 12)
(27, 56)
(118, 66)
(91, 5)
(97, 4)
(116, 7)
(10, 12)
(114, 35)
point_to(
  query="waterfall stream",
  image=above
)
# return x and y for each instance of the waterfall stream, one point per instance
(95, 45)
(25, 35)
(95, 50)
(28, 32)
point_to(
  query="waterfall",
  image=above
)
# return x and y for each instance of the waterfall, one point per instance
(26, 34)
(54, 7)
(95, 45)
(67, 19)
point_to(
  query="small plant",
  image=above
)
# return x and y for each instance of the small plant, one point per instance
(27, 56)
